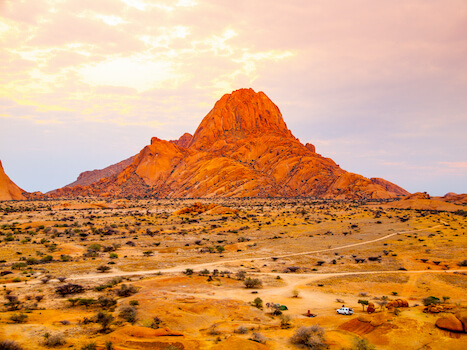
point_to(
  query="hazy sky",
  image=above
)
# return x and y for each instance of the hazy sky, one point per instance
(378, 86)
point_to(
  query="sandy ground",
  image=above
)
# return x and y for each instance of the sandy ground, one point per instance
(419, 254)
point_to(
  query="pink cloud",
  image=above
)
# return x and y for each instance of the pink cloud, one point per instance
(23, 10)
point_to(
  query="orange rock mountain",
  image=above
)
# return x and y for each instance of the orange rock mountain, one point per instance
(242, 148)
(8, 189)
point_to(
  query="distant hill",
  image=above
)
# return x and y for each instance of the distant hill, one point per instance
(89, 177)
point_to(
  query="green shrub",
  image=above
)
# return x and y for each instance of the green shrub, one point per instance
(258, 302)
(430, 300)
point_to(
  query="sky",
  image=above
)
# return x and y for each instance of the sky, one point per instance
(378, 86)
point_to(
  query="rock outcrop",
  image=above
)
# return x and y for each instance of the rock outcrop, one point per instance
(423, 201)
(397, 303)
(389, 186)
(89, 177)
(8, 189)
(183, 141)
(242, 148)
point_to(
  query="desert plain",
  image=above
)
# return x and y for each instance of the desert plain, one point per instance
(214, 273)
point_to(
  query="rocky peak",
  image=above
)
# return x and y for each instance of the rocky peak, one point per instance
(241, 113)
(8, 189)
(311, 147)
(183, 141)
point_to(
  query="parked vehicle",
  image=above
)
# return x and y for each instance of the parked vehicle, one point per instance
(345, 311)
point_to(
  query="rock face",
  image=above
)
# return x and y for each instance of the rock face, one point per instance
(242, 148)
(89, 177)
(389, 186)
(8, 189)
(183, 141)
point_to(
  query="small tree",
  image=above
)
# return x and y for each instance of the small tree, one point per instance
(258, 302)
(69, 288)
(382, 304)
(188, 272)
(363, 302)
(103, 268)
(13, 302)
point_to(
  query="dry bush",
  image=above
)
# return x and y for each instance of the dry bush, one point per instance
(126, 291)
(10, 345)
(258, 337)
(213, 329)
(362, 344)
(89, 346)
(19, 318)
(241, 330)
(69, 288)
(54, 340)
(253, 283)
(128, 313)
(311, 337)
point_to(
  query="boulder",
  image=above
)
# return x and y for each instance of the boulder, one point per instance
(462, 316)
(450, 322)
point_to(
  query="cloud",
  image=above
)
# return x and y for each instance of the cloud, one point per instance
(369, 82)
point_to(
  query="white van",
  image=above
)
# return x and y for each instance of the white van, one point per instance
(345, 311)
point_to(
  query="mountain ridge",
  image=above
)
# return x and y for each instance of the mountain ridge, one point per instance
(241, 148)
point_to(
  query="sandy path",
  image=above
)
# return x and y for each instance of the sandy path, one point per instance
(221, 264)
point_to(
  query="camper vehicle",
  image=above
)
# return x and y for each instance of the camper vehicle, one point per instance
(345, 311)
